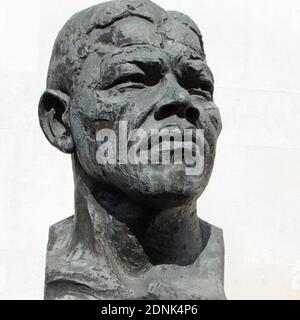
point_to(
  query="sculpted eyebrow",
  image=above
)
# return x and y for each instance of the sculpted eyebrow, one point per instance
(199, 68)
(192, 70)
(150, 67)
(196, 75)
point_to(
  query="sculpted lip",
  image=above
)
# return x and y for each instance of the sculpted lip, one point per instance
(170, 133)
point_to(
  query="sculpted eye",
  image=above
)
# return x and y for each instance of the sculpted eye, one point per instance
(131, 74)
(130, 78)
(207, 86)
(201, 87)
(130, 85)
(198, 92)
(153, 72)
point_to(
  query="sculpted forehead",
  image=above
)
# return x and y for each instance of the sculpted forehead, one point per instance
(172, 35)
(177, 32)
(128, 31)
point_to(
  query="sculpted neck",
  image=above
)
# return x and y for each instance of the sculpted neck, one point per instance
(136, 234)
(173, 236)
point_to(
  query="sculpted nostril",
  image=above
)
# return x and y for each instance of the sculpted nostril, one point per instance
(165, 112)
(192, 115)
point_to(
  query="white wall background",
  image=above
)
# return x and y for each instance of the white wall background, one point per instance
(253, 48)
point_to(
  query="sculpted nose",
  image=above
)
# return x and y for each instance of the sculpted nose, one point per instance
(176, 101)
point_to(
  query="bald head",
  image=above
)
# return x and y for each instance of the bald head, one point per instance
(118, 23)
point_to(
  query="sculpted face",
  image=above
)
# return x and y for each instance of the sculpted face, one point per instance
(136, 76)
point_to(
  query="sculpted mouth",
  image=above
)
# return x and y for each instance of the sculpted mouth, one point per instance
(170, 138)
(170, 144)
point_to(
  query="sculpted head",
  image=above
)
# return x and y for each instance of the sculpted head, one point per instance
(131, 61)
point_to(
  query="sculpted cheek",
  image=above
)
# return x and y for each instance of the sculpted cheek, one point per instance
(110, 107)
(215, 118)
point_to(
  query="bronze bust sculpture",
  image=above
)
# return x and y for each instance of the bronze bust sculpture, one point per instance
(135, 233)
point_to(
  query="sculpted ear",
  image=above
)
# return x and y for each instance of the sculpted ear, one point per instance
(54, 120)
